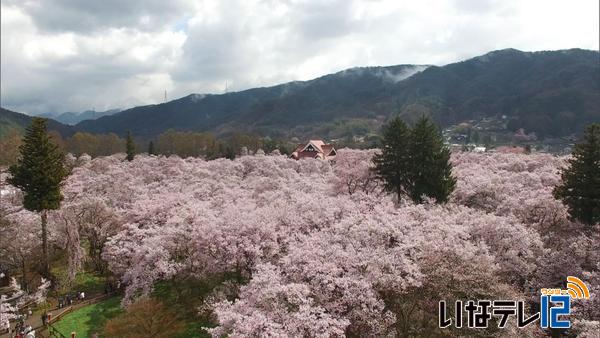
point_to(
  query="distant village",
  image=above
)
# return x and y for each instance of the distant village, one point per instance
(488, 134)
(491, 135)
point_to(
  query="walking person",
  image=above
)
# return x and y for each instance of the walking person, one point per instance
(20, 325)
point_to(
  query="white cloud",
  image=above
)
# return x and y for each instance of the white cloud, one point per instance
(68, 71)
(88, 16)
(68, 55)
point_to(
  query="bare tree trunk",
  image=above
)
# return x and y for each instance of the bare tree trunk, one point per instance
(24, 285)
(45, 260)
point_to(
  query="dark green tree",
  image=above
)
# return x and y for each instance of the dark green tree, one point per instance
(430, 170)
(284, 149)
(151, 150)
(487, 140)
(392, 164)
(130, 147)
(39, 172)
(228, 151)
(475, 137)
(580, 187)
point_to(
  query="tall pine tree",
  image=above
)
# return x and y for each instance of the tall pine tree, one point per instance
(415, 162)
(392, 164)
(580, 187)
(430, 172)
(130, 147)
(38, 173)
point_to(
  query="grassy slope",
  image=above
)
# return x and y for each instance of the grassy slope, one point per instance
(89, 282)
(90, 319)
(182, 299)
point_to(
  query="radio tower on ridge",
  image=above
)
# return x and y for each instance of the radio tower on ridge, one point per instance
(165, 96)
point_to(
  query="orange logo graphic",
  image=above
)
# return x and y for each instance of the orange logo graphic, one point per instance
(577, 289)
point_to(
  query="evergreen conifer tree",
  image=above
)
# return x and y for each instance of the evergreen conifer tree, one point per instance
(130, 147)
(151, 148)
(391, 165)
(430, 172)
(39, 172)
(580, 187)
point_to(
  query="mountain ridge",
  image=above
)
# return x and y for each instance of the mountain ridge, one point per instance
(552, 93)
(18, 121)
(72, 118)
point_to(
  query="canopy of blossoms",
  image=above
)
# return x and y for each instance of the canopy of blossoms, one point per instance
(317, 249)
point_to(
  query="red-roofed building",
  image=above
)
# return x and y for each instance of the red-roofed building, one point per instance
(314, 149)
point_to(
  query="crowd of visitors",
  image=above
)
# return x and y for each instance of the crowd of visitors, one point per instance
(70, 298)
(23, 330)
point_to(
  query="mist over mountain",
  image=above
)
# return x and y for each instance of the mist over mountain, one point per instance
(551, 93)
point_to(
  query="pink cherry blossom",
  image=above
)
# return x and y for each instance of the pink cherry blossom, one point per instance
(316, 247)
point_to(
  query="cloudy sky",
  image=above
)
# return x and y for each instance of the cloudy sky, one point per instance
(74, 55)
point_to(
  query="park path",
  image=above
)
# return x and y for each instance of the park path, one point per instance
(35, 320)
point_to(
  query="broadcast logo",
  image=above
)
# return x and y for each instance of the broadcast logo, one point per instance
(576, 289)
(555, 304)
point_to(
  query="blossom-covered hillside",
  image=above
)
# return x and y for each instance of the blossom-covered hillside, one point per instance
(312, 248)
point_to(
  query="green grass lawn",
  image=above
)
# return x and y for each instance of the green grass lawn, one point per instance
(89, 282)
(183, 298)
(90, 319)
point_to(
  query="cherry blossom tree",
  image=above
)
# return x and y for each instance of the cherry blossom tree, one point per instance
(20, 240)
(11, 303)
(7, 313)
(270, 306)
(354, 171)
(315, 248)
